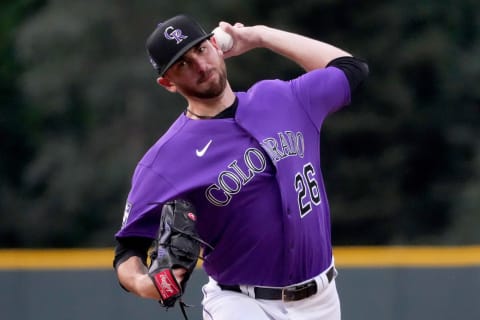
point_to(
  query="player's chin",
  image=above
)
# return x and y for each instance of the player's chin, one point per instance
(211, 89)
(209, 94)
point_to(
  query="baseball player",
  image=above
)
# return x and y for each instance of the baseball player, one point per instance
(249, 163)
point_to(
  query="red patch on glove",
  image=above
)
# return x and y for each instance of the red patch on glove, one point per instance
(167, 285)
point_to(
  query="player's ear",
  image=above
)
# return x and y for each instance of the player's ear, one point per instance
(213, 40)
(167, 84)
(215, 44)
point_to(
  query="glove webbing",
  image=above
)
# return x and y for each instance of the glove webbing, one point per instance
(193, 237)
(188, 235)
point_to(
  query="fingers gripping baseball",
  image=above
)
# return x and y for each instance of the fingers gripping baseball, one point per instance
(243, 38)
(223, 40)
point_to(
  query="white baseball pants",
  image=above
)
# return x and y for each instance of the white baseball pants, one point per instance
(221, 304)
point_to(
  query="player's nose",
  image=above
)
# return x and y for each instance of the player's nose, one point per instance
(200, 64)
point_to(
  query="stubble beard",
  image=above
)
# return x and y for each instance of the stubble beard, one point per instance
(214, 90)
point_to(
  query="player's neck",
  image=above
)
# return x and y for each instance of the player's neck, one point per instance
(209, 108)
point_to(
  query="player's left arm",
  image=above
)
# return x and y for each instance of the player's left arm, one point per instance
(130, 263)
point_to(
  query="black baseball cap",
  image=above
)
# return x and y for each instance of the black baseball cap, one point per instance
(171, 39)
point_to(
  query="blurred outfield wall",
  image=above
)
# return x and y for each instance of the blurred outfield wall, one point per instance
(374, 283)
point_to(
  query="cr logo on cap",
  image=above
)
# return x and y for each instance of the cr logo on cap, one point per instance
(174, 35)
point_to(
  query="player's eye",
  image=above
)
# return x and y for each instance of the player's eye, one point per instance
(181, 63)
(202, 47)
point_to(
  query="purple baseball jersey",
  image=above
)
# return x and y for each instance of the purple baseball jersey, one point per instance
(255, 181)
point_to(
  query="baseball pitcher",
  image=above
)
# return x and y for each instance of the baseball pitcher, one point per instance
(242, 171)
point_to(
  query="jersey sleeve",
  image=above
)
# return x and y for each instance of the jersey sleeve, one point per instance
(150, 189)
(322, 92)
(144, 202)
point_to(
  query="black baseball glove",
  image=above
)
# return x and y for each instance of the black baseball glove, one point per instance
(177, 246)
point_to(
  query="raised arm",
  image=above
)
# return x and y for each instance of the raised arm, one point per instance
(308, 53)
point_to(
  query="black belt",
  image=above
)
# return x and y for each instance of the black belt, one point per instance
(292, 293)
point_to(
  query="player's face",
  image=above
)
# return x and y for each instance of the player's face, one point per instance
(200, 73)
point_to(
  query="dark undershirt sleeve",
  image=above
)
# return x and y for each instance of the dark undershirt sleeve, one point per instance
(131, 246)
(356, 70)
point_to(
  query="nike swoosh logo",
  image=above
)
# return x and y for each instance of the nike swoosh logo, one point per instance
(201, 153)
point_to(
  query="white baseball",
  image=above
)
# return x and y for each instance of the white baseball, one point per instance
(224, 40)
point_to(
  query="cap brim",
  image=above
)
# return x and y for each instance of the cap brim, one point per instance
(183, 51)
